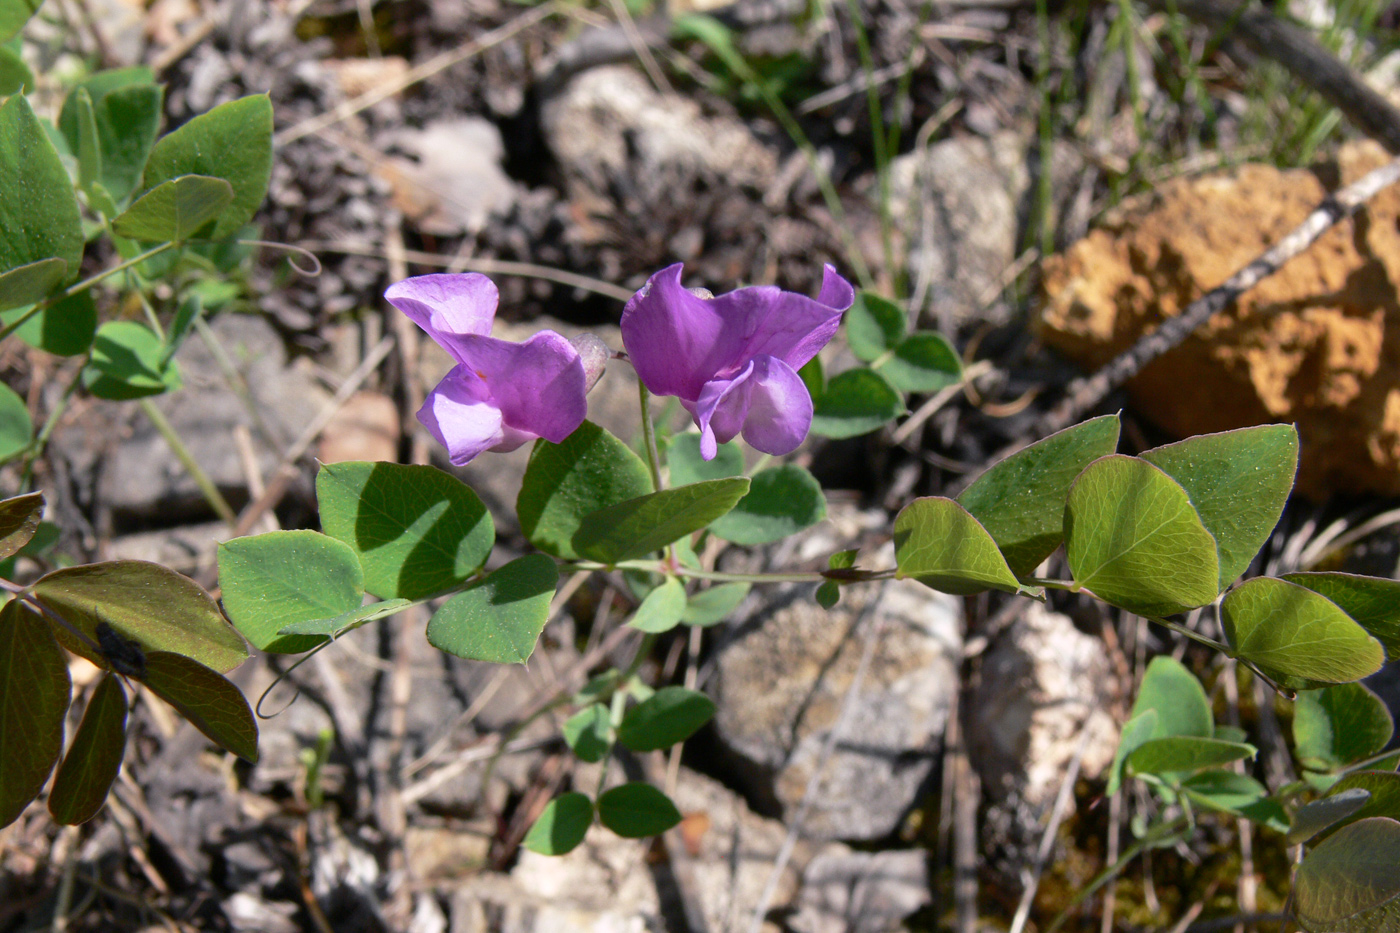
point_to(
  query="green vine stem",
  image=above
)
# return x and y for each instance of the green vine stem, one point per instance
(201, 479)
(649, 434)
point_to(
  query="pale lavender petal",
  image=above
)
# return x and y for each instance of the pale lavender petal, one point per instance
(670, 336)
(721, 409)
(779, 408)
(767, 321)
(511, 439)
(538, 385)
(460, 415)
(447, 307)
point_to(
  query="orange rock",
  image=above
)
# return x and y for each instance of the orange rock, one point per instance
(365, 428)
(1318, 343)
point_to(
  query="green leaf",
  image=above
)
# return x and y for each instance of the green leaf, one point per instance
(65, 328)
(1184, 753)
(855, 402)
(15, 75)
(1349, 884)
(416, 530)
(781, 501)
(34, 695)
(273, 580)
(191, 308)
(88, 148)
(589, 732)
(1134, 541)
(922, 362)
(564, 482)
(1178, 699)
(1338, 725)
(30, 283)
(635, 810)
(1238, 483)
(874, 325)
(668, 716)
(19, 520)
(207, 699)
(1313, 818)
(335, 626)
(714, 605)
(13, 15)
(1372, 602)
(647, 523)
(175, 210)
(1295, 636)
(1136, 731)
(233, 142)
(94, 757)
(939, 544)
(126, 108)
(38, 210)
(498, 618)
(813, 377)
(1021, 500)
(1384, 788)
(157, 608)
(16, 428)
(1240, 794)
(687, 466)
(828, 594)
(128, 361)
(662, 609)
(561, 825)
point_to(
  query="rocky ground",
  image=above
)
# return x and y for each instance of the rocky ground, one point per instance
(888, 765)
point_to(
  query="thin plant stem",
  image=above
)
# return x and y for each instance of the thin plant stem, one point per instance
(201, 479)
(878, 138)
(649, 436)
(1152, 837)
(82, 286)
(1194, 636)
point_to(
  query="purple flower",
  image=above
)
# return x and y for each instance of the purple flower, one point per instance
(733, 360)
(500, 394)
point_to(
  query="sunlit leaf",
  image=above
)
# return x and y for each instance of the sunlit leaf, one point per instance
(939, 544)
(175, 210)
(273, 580)
(1372, 602)
(855, 402)
(38, 207)
(19, 520)
(662, 608)
(648, 523)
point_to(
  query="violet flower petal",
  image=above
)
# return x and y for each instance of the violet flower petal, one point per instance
(669, 335)
(539, 385)
(447, 306)
(767, 401)
(461, 417)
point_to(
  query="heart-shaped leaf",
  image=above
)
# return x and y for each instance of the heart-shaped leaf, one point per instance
(273, 580)
(781, 501)
(415, 529)
(939, 544)
(1372, 602)
(561, 826)
(1178, 698)
(175, 210)
(498, 618)
(1296, 636)
(662, 608)
(94, 757)
(1021, 500)
(1238, 482)
(1349, 884)
(590, 470)
(1134, 540)
(635, 810)
(207, 699)
(648, 523)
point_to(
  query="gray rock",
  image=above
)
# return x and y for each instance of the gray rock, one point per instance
(1043, 685)
(457, 183)
(860, 892)
(781, 683)
(141, 479)
(958, 204)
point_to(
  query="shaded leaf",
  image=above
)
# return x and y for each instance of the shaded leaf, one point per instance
(1238, 482)
(15, 75)
(336, 626)
(65, 328)
(94, 757)
(34, 696)
(1021, 500)
(564, 482)
(14, 14)
(635, 810)
(1133, 539)
(828, 594)
(686, 466)
(874, 325)
(662, 608)
(1384, 788)
(1372, 602)
(157, 608)
(175, 210)
(561, 826)
(648, 523)
(126, 107)
(1184, 753)
(498, 618)
(39, 216)
(589, 732)
(210, 702)
(939, 544)
(713, 605)
(1349, 884)
(416, 530)
(128, 361)
(31, 283)
(1136, 731)
(233, 142)
(668, 716)
(1338, 725)
(16, 428)
(781, 501)
(1240, 794)
(922, 362)
(274, 580)
(1178, 698)
(1313, 818)
(1296, 636)
(855, 402)
(19, 520)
